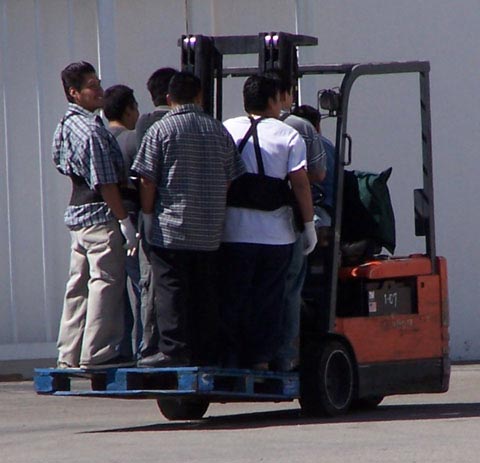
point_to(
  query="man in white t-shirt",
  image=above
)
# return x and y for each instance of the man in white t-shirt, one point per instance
(257, 244)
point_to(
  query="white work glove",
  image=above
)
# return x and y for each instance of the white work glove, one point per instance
(309, 235)
(147, 226)
(130, 234)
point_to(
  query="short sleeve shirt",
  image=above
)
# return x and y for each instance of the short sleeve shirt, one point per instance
(82, 146)
(283, 151)
(191, 158)
(316, 156)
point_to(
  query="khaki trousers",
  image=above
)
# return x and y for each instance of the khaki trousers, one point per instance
(92, 323)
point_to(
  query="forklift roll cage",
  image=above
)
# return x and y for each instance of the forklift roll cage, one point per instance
(203, 56)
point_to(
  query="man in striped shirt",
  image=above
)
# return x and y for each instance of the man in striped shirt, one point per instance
(186, 163)
(91, 327)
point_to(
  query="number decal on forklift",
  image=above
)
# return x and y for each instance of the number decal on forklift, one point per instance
(390, 299)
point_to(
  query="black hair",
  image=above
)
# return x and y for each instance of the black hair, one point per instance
(309, 113)
(73, 76)
(285, 82)
(116, 100)
(157, 85)
(184, 87)
(257, 90)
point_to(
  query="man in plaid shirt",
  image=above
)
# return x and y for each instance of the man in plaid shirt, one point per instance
(186, 163)
(91, 326)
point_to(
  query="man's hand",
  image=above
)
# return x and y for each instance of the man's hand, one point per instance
(309, 235)
(130, 234)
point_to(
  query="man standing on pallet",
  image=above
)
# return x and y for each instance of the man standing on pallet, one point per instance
(91, 327)
(186, 163)
(287, 356)
(157, 86)
(259, 231)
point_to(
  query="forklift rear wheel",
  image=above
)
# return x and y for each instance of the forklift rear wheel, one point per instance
(328, 381)
(181, 408)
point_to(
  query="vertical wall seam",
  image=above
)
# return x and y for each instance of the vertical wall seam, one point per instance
(40, 105)
(4, 40)
(71, 31)
(187, 17)
(106, 37)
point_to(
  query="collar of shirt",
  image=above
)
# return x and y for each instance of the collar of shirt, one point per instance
(75, 108)
(162, 107)
(185, 108)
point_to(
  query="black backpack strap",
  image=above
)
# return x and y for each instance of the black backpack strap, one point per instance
(247, 135)
(256, 145)
(252, 131)
(283, 116)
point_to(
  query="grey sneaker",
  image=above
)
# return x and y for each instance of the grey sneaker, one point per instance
(116, 362)
(66, 366)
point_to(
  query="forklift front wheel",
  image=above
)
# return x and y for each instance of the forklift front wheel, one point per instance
(367, 403)
(181, 408)
(328, 381)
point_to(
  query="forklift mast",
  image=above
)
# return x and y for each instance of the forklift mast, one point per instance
(203, 56)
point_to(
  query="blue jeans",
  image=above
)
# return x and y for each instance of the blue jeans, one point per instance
(252, 287)
(287, 354)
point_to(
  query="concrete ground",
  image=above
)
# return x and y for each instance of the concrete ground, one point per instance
(421, 428)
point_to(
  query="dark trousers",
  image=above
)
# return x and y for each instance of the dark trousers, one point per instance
(252, 289)
(185, 285)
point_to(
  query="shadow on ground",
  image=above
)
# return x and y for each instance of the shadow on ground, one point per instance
(295, 418)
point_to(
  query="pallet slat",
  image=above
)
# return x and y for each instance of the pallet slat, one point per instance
(214, 383)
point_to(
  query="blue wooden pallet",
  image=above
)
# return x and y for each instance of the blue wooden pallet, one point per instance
(216, 384)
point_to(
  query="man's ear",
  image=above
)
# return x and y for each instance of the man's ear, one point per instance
(169, 99)
(72, 91)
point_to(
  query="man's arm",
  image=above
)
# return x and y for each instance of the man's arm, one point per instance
(147, 202)
(317, 161)
(301, 190)
(316, 175)
(111, 195)
(147, 195)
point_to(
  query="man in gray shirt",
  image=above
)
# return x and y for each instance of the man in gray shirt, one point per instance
(121, 109)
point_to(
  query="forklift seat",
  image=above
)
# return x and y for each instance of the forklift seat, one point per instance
(358, 252)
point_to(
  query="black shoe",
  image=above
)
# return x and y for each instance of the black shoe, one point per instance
(282, 365)
(116, 362)
(162, 360)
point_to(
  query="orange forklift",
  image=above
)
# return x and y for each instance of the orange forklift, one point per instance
(372, 325)
(379, 326)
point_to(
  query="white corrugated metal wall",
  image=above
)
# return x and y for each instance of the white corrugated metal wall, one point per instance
(128, 40)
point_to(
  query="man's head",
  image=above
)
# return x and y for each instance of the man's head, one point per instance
(261, 95)
(120, 105)
(82, 86)
(157, 85)
(285, 85)
(184, 88)
(310, 114)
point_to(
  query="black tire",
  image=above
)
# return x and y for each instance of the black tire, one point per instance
(182, 408)
(328, 381)
(367, 403)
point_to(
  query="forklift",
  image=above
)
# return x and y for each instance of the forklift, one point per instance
(372, 326)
